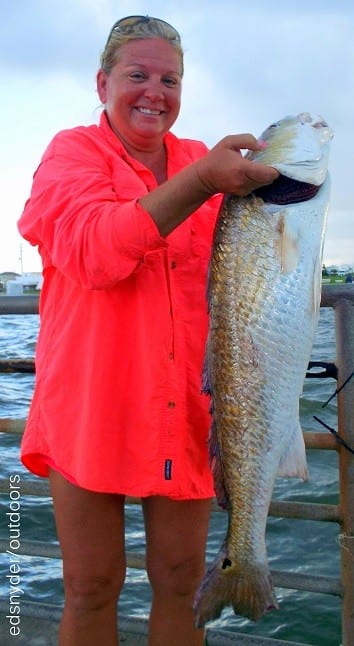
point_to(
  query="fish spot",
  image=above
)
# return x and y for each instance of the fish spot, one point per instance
(225, 564)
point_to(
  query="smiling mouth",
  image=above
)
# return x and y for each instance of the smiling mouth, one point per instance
(149, 111)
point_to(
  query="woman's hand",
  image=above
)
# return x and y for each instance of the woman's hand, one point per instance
(225, 170)
(222, 170)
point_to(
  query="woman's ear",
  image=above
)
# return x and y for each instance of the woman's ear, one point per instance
(101, 83)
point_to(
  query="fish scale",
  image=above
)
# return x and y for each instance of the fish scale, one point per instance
(263, 295)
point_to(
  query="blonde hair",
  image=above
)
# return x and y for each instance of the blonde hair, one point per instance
(137, 28)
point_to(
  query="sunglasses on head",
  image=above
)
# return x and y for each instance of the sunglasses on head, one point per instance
(127, 25)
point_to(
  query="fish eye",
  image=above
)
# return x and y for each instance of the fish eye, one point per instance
(321, 124)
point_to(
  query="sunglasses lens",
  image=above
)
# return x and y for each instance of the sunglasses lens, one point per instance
(128, 24)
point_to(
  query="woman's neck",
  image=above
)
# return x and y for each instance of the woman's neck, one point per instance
(154, 160)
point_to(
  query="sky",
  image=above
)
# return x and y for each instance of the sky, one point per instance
(247, 64)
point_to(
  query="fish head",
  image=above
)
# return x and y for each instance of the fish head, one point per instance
(298, 147)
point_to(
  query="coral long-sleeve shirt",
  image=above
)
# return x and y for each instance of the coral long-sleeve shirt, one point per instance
(117, 405)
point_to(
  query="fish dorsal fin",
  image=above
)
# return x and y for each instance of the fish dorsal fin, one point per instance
(293, 461)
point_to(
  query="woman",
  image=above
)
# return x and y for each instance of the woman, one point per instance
(123, 215)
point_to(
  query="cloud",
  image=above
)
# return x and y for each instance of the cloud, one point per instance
(338, 247)
(247, 64)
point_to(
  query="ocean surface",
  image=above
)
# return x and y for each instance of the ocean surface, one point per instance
(301, 546)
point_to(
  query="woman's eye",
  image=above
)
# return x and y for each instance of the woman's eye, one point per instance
(171, 82)
(137, 76)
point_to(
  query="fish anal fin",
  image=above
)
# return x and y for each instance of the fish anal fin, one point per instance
(293, 462)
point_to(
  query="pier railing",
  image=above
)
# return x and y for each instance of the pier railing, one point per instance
(341, 299)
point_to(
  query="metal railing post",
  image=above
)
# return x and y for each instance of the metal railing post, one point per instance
(344, 313)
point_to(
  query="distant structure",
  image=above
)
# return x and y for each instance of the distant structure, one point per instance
(15, 284)
(5, 276)
(341, 270)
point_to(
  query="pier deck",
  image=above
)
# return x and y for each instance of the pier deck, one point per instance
(39, 627)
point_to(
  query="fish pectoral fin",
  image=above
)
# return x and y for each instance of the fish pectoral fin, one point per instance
(216, 468)
(293, 462)
(288, 248)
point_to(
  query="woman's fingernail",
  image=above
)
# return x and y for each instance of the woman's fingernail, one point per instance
(262, 143)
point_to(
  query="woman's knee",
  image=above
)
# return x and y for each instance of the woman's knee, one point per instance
(91, 534)
(176, 533)
(92, 590)
(178, 578)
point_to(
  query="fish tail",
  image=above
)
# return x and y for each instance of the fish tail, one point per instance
(249, 591)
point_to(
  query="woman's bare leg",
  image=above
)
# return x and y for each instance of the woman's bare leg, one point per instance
(90, 527)
(176, 534)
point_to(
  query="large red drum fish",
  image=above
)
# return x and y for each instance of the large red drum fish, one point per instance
(264, 298)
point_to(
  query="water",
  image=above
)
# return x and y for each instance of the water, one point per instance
(302, 546)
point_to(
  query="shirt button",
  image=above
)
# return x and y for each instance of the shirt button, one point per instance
(173, 264)
(171, 356)
(171, 404)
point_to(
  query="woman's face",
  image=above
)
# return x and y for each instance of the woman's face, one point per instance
(142, 93)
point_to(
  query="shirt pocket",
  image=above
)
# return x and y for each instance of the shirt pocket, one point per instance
(127, 185)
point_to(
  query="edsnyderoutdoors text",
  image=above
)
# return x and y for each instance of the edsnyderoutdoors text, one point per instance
(13, 516)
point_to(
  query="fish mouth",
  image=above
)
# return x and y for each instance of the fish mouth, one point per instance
(285, 190)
